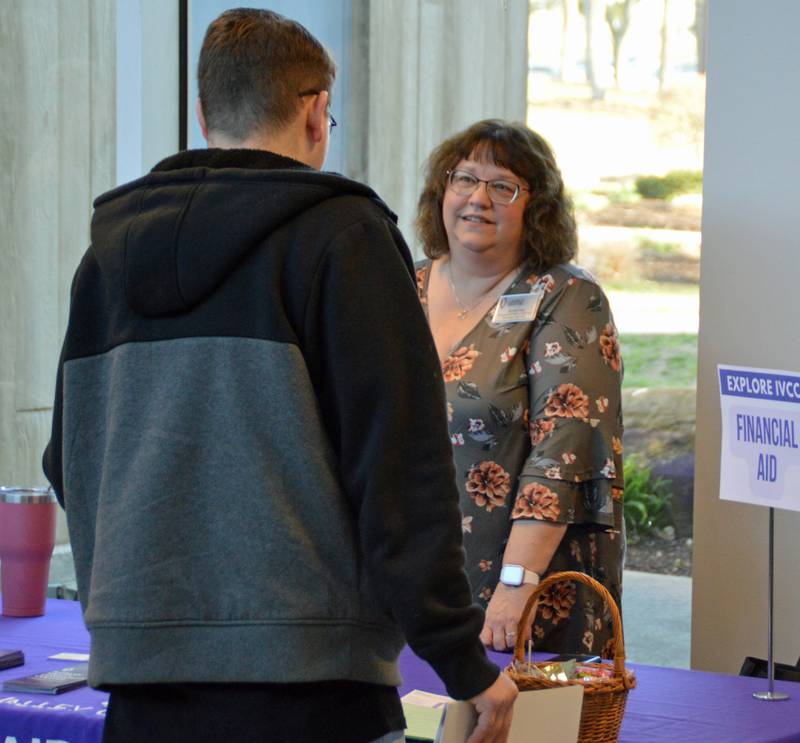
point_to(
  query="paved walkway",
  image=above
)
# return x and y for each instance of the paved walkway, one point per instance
(640, 312)
(657, 616)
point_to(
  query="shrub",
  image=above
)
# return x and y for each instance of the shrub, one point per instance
(652, 187)
(653, 247)
(673, 183)
(647, 500)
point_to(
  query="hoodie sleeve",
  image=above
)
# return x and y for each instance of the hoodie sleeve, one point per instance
(382, 393)
(78, 335)
(52, 462)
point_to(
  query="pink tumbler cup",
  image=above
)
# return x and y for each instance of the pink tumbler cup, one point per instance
(27, 537)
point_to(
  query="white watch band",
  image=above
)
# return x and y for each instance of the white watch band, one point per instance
(518, 575)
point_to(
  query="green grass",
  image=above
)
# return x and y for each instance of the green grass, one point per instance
(659, 360)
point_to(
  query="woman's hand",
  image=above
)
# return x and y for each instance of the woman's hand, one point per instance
(503, 615)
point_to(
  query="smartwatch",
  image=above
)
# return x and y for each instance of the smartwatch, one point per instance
(517, 575)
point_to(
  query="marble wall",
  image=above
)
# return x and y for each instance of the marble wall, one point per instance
(57, 144)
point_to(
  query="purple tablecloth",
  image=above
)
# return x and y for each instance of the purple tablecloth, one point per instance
(668, 705)
(74, 717)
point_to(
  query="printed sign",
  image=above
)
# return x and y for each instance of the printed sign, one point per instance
(760, 459)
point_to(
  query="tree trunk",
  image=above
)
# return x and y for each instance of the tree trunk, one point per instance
(597, 92)
(662, 70)
(699, 30)
(564, 27)
(618, 18)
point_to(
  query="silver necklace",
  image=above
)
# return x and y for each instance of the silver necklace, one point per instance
(466, 310)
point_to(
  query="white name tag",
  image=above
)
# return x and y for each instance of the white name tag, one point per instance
(516, 308)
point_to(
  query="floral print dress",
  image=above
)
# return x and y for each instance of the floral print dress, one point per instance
(535, 420)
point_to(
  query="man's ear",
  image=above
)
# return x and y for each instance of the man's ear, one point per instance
(201, 119)
(317, 119)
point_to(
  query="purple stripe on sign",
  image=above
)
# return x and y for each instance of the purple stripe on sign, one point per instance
(759, 385)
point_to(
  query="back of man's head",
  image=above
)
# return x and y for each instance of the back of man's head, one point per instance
(254, 64)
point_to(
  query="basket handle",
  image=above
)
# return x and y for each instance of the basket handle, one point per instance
(619, 647)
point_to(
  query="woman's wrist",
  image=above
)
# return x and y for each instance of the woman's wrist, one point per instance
(515, 575)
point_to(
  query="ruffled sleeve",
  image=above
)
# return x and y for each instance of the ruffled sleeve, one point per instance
(573, 474)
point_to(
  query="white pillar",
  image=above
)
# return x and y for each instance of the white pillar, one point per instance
(748, 317)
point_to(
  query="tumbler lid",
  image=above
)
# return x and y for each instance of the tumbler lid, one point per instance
(27, 495)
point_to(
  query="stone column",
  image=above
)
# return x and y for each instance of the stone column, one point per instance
(57, 68)
(436, 66)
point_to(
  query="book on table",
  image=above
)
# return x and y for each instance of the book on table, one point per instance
(50, 682)
(11, 658)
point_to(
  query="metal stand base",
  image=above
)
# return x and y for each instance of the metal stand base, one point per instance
(770, 696)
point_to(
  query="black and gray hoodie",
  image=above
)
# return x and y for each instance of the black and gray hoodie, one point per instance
(249, 436)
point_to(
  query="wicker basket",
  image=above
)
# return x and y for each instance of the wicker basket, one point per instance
(603, 698)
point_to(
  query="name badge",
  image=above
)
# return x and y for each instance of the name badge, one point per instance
(516, 308)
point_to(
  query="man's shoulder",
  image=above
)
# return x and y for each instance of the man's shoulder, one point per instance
(349, 226)
(349, 197)
(343, 210)
(345, 215)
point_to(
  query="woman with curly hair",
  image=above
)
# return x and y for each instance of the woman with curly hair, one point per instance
(533, 372)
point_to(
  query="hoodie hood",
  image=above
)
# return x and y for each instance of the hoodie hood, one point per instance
(177, 233)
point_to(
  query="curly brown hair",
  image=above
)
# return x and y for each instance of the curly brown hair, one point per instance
(549, 224)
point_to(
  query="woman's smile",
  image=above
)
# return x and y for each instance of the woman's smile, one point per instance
(475, 219)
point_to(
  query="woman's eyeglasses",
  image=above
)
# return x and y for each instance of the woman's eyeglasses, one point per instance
(498, 190)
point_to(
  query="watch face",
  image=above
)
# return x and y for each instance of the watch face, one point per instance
(512, 575)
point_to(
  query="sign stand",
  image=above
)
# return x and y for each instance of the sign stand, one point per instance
(771, 695)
